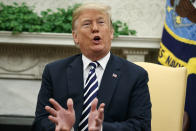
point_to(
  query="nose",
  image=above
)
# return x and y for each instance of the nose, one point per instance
(95, 28)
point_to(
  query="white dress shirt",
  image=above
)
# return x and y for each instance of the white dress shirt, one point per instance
(99, 70)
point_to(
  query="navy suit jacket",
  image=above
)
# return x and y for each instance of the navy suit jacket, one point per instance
(125, 94)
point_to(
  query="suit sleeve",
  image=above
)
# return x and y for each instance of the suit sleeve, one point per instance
(41, 122)
(139, 109)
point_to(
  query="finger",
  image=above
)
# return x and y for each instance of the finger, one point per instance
(51, 110)
(70, 105)
(94, 104)
(53, 119)
(102, 105)
(101, 111)
(101, 114)
(56, 105)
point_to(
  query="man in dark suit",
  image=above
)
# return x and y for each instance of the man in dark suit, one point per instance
(116, 86)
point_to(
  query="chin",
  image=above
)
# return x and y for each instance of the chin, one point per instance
(98, 47)
(99, 50)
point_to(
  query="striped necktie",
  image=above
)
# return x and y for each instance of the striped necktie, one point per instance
(90, 92)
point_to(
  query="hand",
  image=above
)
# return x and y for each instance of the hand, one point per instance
(64, 119)
(96, 117)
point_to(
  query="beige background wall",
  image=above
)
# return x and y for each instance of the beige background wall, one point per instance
(21, 64)
(145, 16)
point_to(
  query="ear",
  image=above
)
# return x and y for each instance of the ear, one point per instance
(75, 37)
(112, 34)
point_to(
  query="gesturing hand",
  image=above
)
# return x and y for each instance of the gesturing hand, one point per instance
(64, 119)
(96, 117)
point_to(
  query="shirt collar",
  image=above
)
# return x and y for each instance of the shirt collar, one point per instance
(103, 61)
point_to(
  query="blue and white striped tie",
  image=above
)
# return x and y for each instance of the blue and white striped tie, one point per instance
(90, 92)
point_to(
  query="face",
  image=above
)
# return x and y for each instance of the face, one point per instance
(93, 34)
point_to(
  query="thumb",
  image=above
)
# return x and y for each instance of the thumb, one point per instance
(70, 104)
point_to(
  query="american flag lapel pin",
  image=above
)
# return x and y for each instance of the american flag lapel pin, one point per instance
(114, 75)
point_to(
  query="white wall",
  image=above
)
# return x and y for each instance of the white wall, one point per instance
(145, 16)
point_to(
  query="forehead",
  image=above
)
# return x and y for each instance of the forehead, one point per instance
(89, 14)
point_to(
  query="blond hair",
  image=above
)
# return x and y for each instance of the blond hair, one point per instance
(95, 6)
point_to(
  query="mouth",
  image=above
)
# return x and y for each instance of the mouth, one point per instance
(96, 39)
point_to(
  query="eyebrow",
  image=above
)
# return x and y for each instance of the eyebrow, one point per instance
(87, 19)
(100, 18)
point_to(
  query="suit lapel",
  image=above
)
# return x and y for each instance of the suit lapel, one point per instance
(109, 80)
(75, 86)
(106, 90)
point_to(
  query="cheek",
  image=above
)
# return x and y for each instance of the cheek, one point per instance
(83, 36)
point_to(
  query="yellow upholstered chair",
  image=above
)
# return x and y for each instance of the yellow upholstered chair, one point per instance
(167, 87)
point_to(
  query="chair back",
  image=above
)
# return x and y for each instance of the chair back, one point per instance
(167, 86)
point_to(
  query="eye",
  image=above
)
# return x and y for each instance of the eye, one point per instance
(101, 22)
(86, 24)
